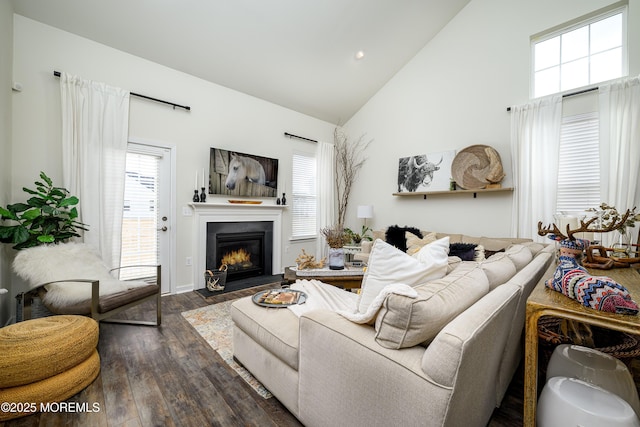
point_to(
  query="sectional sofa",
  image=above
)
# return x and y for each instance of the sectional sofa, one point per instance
(330, 371)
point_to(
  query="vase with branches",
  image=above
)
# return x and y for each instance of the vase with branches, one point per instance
(349, 159)
(336, 238)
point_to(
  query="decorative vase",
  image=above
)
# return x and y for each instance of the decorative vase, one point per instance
(336, 258)
(284, 199)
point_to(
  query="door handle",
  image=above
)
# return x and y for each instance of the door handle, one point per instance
(164, 228)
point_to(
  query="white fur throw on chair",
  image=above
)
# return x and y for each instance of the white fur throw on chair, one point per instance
(67, 261)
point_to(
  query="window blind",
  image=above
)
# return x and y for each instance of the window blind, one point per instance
(140, 218)
(304, 205)
(579, 164)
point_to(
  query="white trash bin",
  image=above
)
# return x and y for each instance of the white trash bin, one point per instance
(594, 367)
(569, 402)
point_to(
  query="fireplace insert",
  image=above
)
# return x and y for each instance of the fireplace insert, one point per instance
(245, 247)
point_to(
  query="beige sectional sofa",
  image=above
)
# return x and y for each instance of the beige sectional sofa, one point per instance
(330, 371)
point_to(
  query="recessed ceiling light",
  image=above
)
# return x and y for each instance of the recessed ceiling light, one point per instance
(360, 54)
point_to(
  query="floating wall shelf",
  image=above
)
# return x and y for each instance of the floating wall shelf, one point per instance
(440, 193)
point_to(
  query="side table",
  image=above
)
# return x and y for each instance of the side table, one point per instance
(348, 278)
(544, 301)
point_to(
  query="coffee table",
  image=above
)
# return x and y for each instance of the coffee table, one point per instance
(544, 301)
(348, 278)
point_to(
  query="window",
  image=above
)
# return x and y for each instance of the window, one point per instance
(579, 164)
(591, 51)
(304, 204)
(139, 222)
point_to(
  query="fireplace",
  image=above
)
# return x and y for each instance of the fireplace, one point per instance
(245, 247)
(215, 212)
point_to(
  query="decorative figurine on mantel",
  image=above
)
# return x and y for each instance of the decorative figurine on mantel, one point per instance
(196, 198)
(574, 281)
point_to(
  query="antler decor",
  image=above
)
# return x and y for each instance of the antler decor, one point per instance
(573, 280)
(615, 223)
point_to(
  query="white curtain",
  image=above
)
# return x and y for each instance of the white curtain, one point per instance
(620, 145)
(95, 121)
(325, 154)
(535, 145)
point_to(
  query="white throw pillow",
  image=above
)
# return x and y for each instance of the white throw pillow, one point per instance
(388, 265)
(435, 253)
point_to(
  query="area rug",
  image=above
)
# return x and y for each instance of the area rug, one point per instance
(214, 324)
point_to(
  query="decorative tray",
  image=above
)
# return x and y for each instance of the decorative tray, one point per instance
(279, 297)
(246, 202)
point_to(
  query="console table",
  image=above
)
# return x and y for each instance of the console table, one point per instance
(544, 301)
(348, 278)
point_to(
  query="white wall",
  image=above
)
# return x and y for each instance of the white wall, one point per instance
(6, 44)
(452, 94)
(219, 117)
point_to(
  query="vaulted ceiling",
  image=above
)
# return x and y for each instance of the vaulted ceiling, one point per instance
(300, 54)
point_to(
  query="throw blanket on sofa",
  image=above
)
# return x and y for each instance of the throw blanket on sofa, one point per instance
(345, 303)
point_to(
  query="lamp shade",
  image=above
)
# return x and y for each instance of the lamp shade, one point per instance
(365, 211)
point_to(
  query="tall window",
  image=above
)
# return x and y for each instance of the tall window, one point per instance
(587, 52)
(304, 204)
(579, 164)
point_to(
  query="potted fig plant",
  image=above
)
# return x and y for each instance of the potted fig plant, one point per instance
(48, 216)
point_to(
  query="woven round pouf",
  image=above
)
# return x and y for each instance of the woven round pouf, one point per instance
(41, 348)
(53, 389)
(47, 360)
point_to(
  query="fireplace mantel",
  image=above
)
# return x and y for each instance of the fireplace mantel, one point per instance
(232, 212)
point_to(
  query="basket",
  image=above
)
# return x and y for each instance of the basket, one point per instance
(38, 309)
(215, 280)
(553, 331)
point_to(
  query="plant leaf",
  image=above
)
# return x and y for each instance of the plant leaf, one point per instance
(20, 234)
(47, 238)
(18, 207)
(36, 202)
(7, 214)
(46, 179)
(31, 214)
(6, 232)
(69, 201)
(30, 191)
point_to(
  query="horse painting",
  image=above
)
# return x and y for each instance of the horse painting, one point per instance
(241, 168)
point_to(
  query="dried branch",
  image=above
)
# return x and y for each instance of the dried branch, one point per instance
(348, 162)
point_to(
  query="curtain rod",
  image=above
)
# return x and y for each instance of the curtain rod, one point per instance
(580, 92)
(174, 105)
(290, 135)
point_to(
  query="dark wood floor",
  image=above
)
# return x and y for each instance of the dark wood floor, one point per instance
(169, 376)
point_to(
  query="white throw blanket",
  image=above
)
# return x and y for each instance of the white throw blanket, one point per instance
(345, 303)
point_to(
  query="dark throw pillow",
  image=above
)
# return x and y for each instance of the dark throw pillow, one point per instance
(395, 236)
(464, 251)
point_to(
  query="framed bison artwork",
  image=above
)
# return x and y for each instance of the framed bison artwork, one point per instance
(239, 174)
(425, 172)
